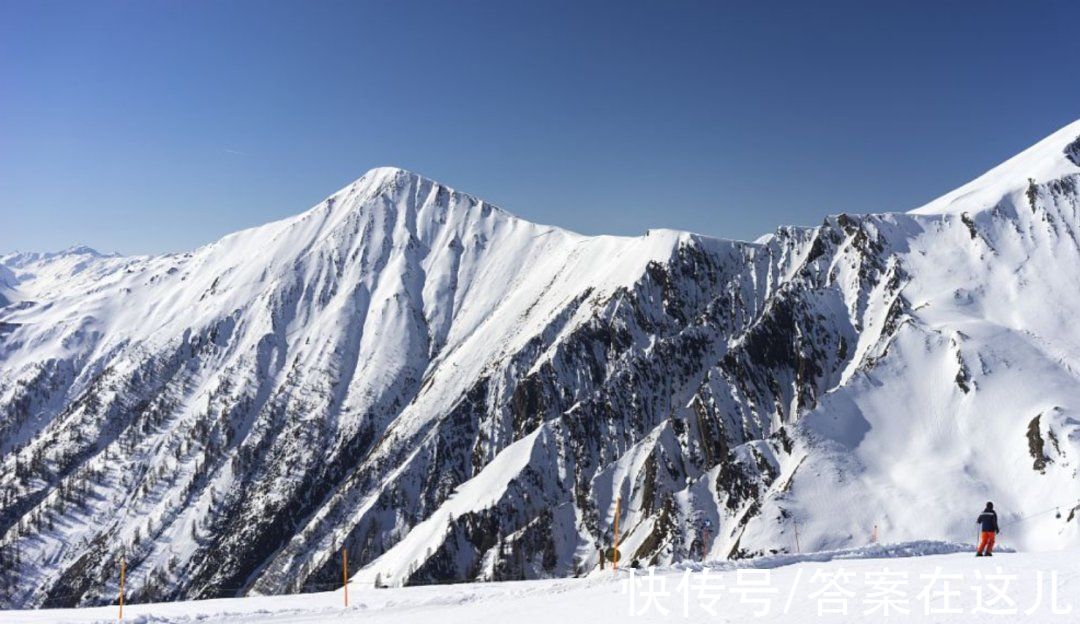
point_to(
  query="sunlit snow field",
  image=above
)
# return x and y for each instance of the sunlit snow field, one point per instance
(860, 585)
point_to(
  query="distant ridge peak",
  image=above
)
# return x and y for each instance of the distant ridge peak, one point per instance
(1053, 157)
(82, 250)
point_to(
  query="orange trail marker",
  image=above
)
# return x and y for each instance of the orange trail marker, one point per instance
(615, 558)
(123, 567)
(345, 574)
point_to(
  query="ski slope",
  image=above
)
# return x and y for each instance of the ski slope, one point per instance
(798, 589)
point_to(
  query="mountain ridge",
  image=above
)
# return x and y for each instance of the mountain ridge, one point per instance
(449, 392)
(1055, 162)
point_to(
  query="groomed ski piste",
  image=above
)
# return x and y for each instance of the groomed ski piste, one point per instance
(923, 581)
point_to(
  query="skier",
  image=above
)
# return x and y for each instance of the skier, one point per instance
(988, 523)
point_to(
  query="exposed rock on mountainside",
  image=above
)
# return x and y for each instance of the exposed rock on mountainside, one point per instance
(452, 393)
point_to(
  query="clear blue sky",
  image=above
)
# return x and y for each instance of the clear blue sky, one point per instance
(159, 126)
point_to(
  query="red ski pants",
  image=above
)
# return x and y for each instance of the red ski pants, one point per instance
(986, 542)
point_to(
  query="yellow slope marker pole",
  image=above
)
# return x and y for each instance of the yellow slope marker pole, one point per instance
(615, 552)
(123, 570)
(345, 574)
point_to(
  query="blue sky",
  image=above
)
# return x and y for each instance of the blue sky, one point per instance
(159, 126)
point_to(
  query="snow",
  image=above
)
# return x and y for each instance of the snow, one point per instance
(359, 372)
(480, 491)
(1045, 161)
(803, 585)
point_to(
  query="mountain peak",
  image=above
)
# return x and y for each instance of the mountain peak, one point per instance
(81, 250)
(386, 173)
(1055, 156)
(406, 188)
(75, 253)
(377, 179)
(406, 373)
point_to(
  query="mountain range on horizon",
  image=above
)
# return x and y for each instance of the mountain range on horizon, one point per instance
(450, 393)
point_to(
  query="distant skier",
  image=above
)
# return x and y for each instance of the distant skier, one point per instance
(989, 525)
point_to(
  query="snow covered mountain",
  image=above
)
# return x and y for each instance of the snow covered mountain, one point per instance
(451, 393)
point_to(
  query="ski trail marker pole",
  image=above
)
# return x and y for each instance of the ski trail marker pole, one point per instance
(345, 574)
(615, 552)
(123, 570)
(797, 549)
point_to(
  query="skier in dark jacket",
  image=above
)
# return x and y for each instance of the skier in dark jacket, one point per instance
(988, 525)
